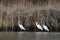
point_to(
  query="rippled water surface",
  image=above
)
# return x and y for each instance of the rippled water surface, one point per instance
(29, 36)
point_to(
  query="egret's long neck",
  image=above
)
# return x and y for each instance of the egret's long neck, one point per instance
(36, 23)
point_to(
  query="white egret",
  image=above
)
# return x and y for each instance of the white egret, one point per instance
(21, 27)
(45, 27)
(38, 26)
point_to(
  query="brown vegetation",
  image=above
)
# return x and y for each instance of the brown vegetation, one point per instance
(28, 11)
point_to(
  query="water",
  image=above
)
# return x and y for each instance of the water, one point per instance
(29, 36)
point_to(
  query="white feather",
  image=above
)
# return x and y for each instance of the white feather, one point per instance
(45, 27)
(21, 26)
(38, 26)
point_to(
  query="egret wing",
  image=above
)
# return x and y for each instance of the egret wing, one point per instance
(39, 27)
(21, 26)
(45, 27)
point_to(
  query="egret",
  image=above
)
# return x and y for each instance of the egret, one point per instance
(38, 26)
(21, 27)
(45, 27)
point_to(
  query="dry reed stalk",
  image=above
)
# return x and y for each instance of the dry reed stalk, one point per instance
(12, 23)
(6, 22)
(0, 21)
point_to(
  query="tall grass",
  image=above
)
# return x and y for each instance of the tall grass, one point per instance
(27, 11)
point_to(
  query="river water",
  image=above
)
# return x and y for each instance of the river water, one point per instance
(29, 36)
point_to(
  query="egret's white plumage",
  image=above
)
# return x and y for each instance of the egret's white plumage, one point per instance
(21, 27)
(45, 27)
(38, 26)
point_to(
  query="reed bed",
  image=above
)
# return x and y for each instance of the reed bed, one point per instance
(28, 12)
